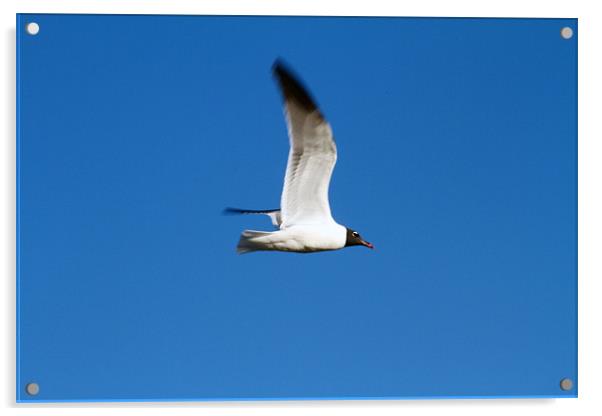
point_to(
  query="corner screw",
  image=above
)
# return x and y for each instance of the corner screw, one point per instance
(32, 389)
(566, 32)
(566, 384)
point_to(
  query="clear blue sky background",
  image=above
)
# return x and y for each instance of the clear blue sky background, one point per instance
(457, 159)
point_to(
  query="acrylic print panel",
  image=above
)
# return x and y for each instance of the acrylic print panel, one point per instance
(457, 160)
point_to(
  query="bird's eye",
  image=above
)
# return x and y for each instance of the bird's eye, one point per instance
(355, 234)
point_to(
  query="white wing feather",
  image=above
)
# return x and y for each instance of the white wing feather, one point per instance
(311, 160)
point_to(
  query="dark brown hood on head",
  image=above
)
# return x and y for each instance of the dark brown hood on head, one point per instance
(354, 239)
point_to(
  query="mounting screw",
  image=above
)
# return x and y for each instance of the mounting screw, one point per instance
(32, 28)
(32, 389)
(566, 32)
(566, 384)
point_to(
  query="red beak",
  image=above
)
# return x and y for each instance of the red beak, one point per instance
(367, 244)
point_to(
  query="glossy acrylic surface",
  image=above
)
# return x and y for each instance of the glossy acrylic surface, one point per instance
(457, 147)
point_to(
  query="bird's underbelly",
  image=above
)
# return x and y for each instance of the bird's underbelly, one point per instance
(307, 240)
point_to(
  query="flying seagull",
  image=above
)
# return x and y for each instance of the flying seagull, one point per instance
(304, 221)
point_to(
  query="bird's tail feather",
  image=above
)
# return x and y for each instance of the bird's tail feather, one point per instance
(248, 241)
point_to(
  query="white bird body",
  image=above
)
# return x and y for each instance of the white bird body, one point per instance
(304, 220)
(300, 239)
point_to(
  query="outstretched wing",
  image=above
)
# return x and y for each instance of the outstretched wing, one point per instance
(312, 156)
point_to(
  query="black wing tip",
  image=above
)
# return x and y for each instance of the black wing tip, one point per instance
(239, 211)
(279, 67)
(230, 211)
(282, 70)
(291, 86)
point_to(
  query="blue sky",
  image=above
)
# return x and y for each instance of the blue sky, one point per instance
(457, 159)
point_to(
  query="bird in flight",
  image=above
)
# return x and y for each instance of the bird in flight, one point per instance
(304, 221)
